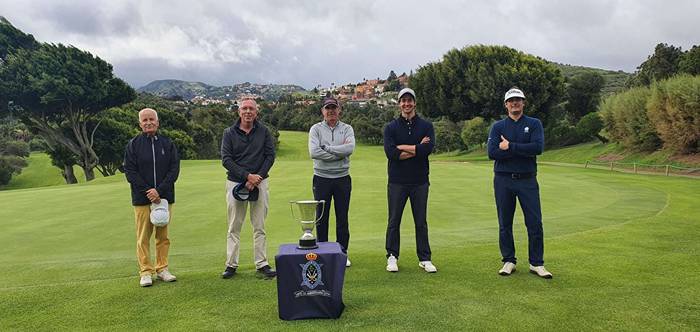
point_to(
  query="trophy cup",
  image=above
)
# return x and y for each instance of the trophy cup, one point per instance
(306, 215)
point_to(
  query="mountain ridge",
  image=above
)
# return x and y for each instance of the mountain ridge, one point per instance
(186, 90)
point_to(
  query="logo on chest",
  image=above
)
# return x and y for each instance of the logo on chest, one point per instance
(527, 130)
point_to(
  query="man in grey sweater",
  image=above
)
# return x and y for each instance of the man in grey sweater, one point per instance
(331, 142)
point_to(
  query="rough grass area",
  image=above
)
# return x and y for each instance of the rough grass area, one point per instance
(621, 247)
(40, 173)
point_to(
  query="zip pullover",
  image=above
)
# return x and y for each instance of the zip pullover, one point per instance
(151, 162)
(330, 149)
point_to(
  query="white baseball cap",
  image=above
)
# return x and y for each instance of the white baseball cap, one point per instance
(160, 216)
(514, 93)
(409, 91)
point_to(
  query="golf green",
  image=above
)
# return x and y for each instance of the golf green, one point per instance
(621, 247)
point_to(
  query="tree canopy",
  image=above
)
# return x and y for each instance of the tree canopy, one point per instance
(471, 81)
(658, 66)
(57, 86)
(583, 92)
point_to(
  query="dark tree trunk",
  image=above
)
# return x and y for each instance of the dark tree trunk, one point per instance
(89, 173)
(68, 174)
(601, 138)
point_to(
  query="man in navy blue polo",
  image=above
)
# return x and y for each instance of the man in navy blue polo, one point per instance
(408, 140)
(514, 144)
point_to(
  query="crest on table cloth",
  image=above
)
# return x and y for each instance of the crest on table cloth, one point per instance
(311, 274)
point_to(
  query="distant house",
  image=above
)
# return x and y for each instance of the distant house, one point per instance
(358, 102)
(379, 88)
(305, 102)
(363, 91)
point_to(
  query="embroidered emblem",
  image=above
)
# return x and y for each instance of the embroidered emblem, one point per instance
(311, 273)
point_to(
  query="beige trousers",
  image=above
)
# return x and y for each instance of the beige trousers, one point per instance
(236, 216)
(144, 230)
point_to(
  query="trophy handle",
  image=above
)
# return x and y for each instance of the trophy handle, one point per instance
(291, 207)
(323, 210)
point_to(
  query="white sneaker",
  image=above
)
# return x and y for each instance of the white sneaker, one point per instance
(391, 264)
(507, 269)
(166, 276)
(428, 266)
(540, 271)
(347, 263)
(146, 281)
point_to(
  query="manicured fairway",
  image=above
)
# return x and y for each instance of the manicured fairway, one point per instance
(622, 248)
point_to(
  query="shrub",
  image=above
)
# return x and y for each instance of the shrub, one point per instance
(674, 108)
(589, 127)
(447, 136)
(626, 122)
(475, 132)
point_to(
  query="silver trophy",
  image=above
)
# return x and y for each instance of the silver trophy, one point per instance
(306, 215)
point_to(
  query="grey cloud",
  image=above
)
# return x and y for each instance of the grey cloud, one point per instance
(90, 19)
(319, 42)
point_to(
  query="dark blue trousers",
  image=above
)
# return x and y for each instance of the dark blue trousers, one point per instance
(338, 190)
(527, 191)
(397, 194)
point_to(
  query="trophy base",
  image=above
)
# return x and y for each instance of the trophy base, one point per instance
(307, 244)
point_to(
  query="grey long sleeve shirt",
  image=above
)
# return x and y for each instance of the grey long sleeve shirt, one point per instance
(330, 149)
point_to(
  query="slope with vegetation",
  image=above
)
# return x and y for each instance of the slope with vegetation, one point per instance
(176, 89)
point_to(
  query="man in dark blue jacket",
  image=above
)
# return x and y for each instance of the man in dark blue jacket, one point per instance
(247, 153)
(151, 165)
(408, 140)
(514, 144)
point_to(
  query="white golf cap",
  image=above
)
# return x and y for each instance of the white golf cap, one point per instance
(513, 93)
(405, 91)
(160, 216)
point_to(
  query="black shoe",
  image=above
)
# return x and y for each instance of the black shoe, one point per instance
(229, 272)
(267, 272)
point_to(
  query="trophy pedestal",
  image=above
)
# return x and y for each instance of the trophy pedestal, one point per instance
(307, 244)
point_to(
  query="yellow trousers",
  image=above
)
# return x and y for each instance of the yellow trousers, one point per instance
(144, 230)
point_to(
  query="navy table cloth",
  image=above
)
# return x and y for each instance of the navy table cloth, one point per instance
(310, 282)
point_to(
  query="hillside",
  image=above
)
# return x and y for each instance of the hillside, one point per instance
(614, 80)
(172, 88)
(599, 154)
(188, 90)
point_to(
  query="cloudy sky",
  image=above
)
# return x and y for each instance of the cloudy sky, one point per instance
(322, 42)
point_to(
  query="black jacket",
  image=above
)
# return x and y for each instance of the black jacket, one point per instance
(141, 154)
(243, 154)
(400, 131)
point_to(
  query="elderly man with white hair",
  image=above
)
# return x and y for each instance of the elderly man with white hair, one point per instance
(152, 165)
